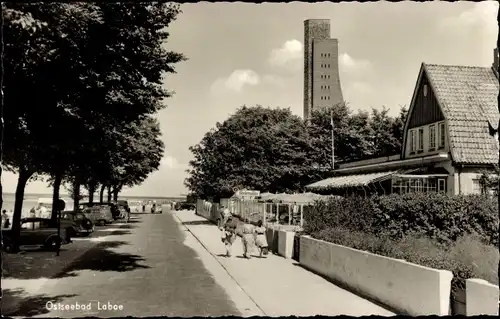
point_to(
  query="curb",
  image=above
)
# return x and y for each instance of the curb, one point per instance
(223, 267)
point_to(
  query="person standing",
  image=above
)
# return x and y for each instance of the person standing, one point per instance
(5, 219)
(40, 212)
(260, 239)
(224, 215)
(247, 239)
(229, 234)
(295, 213)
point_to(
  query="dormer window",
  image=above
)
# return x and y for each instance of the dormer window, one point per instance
(413, 142)
(425, 89)
(420, 139)
(442, 135)
(432, 137)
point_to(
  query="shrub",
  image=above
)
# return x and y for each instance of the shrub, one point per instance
(437, 216)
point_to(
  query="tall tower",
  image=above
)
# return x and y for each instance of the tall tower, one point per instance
(321, 67)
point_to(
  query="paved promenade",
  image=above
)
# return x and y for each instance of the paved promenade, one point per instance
(279, 287)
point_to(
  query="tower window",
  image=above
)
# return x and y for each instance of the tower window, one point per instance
(328, 65)
(328, 54)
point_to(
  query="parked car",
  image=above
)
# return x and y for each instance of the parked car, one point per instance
(36, 231)
(113, 207)
(83, 225)
(124, 204)
(185, 206)
(99, 214)
(156, 209)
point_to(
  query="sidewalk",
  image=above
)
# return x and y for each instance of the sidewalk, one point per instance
(279, 286)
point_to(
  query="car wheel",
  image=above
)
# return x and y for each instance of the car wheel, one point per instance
(8, 246)
(53, 243)
(102, 222)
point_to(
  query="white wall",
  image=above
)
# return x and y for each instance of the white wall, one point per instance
(403, 286)
(481, 298)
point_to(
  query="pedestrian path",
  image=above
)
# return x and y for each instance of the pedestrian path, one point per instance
(280, 287)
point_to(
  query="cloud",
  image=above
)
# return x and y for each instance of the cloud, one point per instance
(170, 162)
(289, 55)
(349, 64)
(236, 81)
(482, 15)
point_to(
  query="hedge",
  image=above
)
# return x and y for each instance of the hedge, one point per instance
(456, 233)
(433, 215)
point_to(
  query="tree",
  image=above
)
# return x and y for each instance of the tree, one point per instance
(357, 136)
(256, 148)
(351, 135)
(140, 141)
(110, 60)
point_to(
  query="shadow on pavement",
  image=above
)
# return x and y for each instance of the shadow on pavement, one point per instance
(134, 221)
(104, 233)
(102, 258)
(198, 222)
(33, 264)
(127, 226)
(15, 303)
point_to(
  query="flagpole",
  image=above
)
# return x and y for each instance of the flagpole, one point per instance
(333, 139)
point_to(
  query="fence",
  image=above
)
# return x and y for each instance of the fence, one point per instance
(269, 213)
(207, 209)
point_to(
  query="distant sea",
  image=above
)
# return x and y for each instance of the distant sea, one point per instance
(30, 200)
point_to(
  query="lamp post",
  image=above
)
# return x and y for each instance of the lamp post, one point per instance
(60, 205)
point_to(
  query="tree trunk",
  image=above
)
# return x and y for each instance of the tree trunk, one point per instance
(110, 194)
(55, 196)
(76, 195)
(91, 189)
(1, 186)
(116, 191)
(101, 194)
(22, 180)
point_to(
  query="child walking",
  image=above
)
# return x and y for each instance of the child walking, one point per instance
(260, 239)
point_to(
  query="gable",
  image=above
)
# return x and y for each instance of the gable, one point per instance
(468, 97)
(425, 108)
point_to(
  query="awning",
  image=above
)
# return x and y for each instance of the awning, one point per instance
(350, 181)
(299, 198)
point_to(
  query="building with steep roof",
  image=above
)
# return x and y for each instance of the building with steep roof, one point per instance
(450, 138)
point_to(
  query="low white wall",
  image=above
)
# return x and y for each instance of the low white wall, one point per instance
(285, 243)
(481, 298)
(403, 286)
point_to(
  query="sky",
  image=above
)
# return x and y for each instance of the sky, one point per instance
(248, 54)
